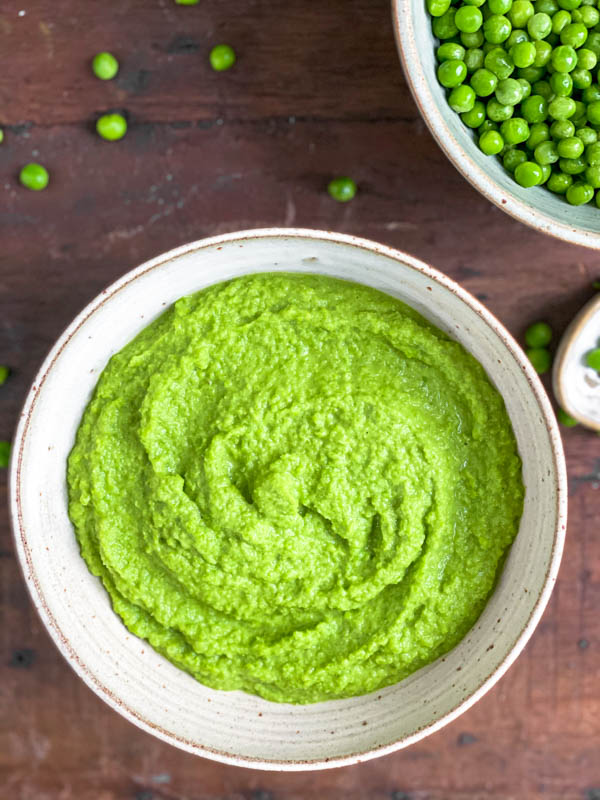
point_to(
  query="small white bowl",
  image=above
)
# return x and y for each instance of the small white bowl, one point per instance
(537, 207)
(235, 727)
(577, 386)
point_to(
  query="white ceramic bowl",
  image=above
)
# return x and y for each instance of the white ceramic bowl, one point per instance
(537, 207)
(236, 727)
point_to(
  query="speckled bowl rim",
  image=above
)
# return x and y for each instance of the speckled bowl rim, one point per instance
(69, 652)
(429, 109)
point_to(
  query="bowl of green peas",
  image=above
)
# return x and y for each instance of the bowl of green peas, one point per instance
(510, 90)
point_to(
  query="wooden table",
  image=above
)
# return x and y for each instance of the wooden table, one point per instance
(317, 91)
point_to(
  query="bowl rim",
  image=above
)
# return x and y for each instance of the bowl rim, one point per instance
(402, 20)
(67, 649)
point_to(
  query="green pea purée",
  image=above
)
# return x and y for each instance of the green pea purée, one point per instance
(295, 486)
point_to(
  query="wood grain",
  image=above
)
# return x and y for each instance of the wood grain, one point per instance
(317, 91)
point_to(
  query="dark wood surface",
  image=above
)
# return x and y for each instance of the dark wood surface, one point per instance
(317, 91)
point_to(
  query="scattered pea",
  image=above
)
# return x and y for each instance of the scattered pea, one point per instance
(342, 189)
(111, 127)
(4, 373)
(538, 335)
(566, 419)
(540, 358)
(105, 66)
(34, 177)
(222, 56)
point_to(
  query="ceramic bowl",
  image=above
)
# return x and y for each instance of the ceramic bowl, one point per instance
(235, 727)
(537, 207)
(577, 386)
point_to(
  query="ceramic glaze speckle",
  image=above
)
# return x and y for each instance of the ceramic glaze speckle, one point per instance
(537, 207)
(235, 727)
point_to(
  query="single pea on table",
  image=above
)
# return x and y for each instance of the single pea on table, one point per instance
(34, 176)
(523, 75)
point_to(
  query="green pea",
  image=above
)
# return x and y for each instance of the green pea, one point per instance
(523, 54)
(528, 174)
(444, 27)
(473, 2)
(573, 166)
(593, 112)
(534, 108)
(461, 99)
(538, 335)
(515, 130)
(484, 82)
(497, 111)
(342, 189)
(561, 108)
(520, 12)
(473, 59)
(538, 132)
(561, 84)
(566, 419)
(512, 158)
(593, 43)
(587, 135)
(559, 182)
(564, 59)
(111, 127)
(497, 28)
(591, 94)
(222, 56)
(491, 143)
(560, 20)
(525, 88)
(34, 177)
(475, 116)
(516, 37)
(546, 173)
(582, 78)
(187, 2)
(546, 153)
(562, 129)
(468, 19)
(549, 7)
(499, 6)
(544, 89)
(4, 453)
(586, 59)
(592, 359)
(472, 39)
(452, 73)
(500, 63)
(592, 154)
(539, 26)
(592, 176)
(4, 373)
(450, 51)
(437, 7)
(574, 35)
(508, 92)
(543, 54)
(105, 66)
(579, 193)
(531, 74)
(572, 147)
(487, 125)
(569, 5)
(540, 358)
(588, 15)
